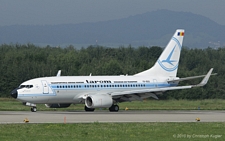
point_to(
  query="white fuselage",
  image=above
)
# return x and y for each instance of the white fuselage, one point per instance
(71, 89)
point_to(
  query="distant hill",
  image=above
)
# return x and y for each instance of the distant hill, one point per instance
(148, 29)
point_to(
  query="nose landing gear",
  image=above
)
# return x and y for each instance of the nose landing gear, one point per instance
(33, 106)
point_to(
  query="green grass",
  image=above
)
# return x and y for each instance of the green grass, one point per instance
(114, 131)
(9, 104)
(157, 131)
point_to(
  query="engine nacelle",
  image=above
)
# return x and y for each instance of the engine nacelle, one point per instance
(99, 101)
(58, 105)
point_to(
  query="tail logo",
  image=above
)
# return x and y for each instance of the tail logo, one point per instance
(168, 60)
(170, 63)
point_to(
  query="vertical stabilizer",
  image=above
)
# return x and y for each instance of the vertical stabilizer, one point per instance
(167, 63)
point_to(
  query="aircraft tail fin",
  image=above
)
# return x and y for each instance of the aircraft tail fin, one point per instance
(167, 63)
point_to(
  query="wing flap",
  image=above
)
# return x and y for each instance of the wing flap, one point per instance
(149, 90)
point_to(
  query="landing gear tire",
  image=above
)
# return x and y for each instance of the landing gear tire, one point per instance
(114, 108)
(89, 109)
(33, 109)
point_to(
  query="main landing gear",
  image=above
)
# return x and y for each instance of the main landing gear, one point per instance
(114, 108)
(33, 109)
(89, 109)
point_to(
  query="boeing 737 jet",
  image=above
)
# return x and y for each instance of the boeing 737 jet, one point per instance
(107, 91)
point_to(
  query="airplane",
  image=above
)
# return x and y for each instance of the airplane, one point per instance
(107, 91)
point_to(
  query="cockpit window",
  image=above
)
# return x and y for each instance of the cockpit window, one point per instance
(25, 86)
(22, 86)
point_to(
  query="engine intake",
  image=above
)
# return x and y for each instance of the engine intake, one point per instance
(99, 101)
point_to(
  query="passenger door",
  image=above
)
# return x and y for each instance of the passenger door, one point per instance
(45, 86)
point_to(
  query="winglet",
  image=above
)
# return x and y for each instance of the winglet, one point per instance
(59, 73)
(205, 79)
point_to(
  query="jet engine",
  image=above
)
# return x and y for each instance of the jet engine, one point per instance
(58, 105)
(99, 101)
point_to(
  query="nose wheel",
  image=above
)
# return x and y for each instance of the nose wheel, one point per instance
(33, 109)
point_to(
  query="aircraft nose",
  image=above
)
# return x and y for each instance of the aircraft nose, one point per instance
(14, 93)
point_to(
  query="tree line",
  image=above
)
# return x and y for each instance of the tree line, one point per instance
(22, 62)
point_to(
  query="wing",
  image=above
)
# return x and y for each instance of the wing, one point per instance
(190, 78)
(145, 93)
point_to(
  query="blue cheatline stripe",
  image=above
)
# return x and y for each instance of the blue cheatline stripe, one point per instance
(82, 86)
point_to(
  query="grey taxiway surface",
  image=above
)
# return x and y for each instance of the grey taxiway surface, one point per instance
(105, 116)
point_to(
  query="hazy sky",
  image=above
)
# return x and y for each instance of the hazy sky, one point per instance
(45, 12)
